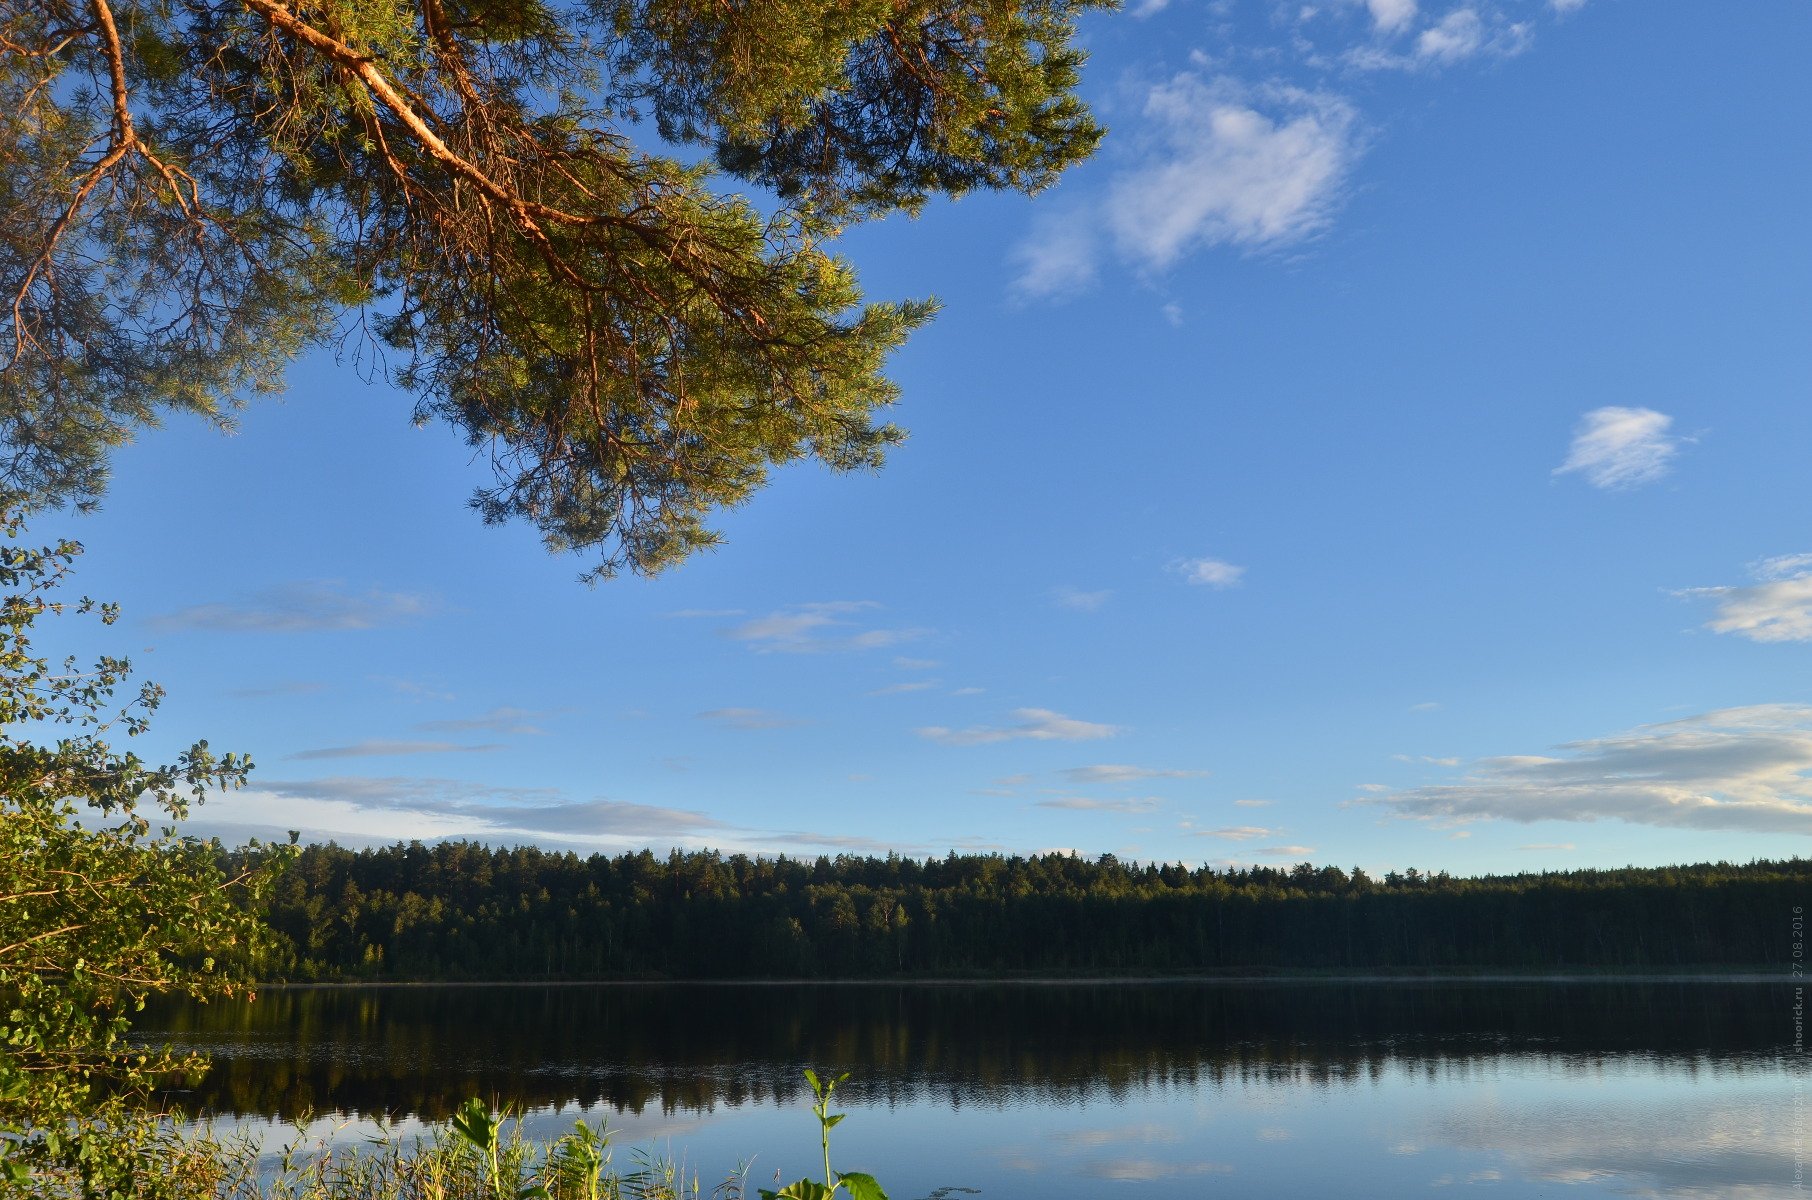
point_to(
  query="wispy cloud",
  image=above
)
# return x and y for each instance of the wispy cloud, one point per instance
(1213, 160)
(379, 748)
(1298, 852)
(451, 808)
(1390, 16)
(1255, 167)
(498, 720)
(1123, 773)
(1221, 163)
(1209, 572)
(1548, 846)
(1060, 257)
(1617, 448)
(1746, 769)
(1459, 34)
(415, 689)
(749, 718)
(1033, 724)
(1777, 608)
(298, 687)
(1236, 833)
(307, 606)
(1142, 804)
(1079, 600)
(1470, 31)
(818, 628)
(910, 685)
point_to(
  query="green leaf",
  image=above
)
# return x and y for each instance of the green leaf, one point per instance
(861, 1186)
(803, 1189)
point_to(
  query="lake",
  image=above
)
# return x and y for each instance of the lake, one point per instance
(1285, 1090)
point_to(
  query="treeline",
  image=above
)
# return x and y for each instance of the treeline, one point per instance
(462, 911)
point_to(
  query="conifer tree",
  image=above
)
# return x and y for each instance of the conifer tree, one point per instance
(525, 210)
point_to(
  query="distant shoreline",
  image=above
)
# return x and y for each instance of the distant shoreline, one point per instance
(1561, 977)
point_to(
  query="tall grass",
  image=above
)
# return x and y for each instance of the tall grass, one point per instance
(479, 1154)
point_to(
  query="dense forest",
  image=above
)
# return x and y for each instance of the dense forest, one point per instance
(459, 910)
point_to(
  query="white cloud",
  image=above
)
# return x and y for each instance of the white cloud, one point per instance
(1035, 724)
(1081, 601)
(749, 718)
(1250, 167)
(1214, 161)
(1237, 833)
(308, 606)
(1746, 769)
(911, 685)
(1392, 15)
(376, 748)
(1781, 566)
(1286, 851)
(1059, 258)
(1222, 164)
(390, 808)
(1621, 447)
(498, 720)
(294, 687)
(817, 628)
(1122, 773)
(1209, 572)
(1463, 33)
(1251, 803)
(1548, 846)
(1460, 34)
(1778, 609)
(1144, 804)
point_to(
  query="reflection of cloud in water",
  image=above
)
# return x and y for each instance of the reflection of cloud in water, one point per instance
(1486, 1176)
(1067, 1153)
(1733, 1145)
(1088, 1139)
(1148, 1170)
(341, 1129)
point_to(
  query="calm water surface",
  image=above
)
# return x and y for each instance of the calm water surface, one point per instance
(1021, 1091)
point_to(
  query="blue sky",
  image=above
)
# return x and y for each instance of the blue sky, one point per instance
(1390, 449)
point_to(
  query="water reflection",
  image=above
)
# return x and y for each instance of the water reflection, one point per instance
(676, 1048)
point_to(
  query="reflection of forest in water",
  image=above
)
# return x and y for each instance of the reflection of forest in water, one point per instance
(420, 1051)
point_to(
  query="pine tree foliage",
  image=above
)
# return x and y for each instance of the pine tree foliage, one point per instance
(193, 191)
